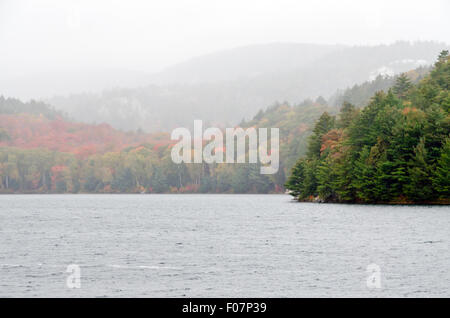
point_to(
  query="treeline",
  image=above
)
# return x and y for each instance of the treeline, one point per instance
(15, 106)
(135, 170)
(39, 155)
(396, 149)
(361, 94)
(295, 123)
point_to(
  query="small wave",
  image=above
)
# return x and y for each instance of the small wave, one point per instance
(12, 265)
(431, 242)
(143, 267)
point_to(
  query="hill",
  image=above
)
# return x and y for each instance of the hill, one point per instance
(360, 94)
(58, 155)
(30, 131)
(229, 86)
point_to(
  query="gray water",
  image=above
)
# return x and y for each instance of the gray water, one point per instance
(219, 246)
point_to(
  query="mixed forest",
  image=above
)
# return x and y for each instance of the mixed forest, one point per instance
(385, 140)
(394, 150)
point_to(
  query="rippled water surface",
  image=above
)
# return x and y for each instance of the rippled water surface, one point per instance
(219, 245)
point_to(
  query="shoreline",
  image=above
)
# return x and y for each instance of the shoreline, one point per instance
(442, 202)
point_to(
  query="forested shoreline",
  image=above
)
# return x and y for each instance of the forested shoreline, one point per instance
(391, 148)
(395, 150)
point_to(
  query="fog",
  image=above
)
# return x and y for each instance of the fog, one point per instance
(90, 92)
(136, 37)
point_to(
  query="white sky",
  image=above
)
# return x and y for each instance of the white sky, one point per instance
(148, 35)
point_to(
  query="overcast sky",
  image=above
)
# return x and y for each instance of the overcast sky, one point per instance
(148, 35)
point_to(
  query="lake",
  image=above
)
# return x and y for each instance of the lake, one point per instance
(220, 246)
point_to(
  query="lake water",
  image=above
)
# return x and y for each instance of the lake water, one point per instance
(220, 246)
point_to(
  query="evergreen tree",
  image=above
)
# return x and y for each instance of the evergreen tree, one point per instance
(441, 177)
(443, 57)
(420, 188)
(347, 114)
(402, 86)
(295, 181)
(323, 125)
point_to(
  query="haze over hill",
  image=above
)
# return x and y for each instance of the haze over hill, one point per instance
(227, 86)
(244, 62)
(41, 85)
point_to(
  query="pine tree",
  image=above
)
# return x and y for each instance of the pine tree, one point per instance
(296, 180)
(326, 176)
(443, 56)
(347, 115)
(402, 86)
(441, 177)
(365, 178)
(323, 125)
(419, 188)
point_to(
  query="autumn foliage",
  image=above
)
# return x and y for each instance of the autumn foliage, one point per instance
(28, 131)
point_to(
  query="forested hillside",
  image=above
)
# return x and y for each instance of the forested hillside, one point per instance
(41, 151)
(361, 94)
(395, 150)
(295, 123)
(37, 125)
(15, 106)
(41, 155)
(225, 87)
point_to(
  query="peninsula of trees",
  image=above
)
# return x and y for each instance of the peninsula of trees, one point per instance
(394, 150)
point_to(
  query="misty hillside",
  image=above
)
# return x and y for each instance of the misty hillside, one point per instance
(361, 94)
(44, 152)
(228, 86)
(244, 62)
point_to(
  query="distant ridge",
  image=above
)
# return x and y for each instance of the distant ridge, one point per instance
(244, 62)
(225, 87)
